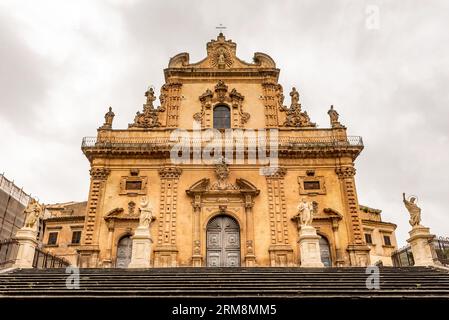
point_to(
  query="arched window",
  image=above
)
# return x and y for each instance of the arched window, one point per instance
(222, 117)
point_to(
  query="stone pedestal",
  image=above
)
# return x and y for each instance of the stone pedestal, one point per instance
(422, 249)
(141, 252)
(27, 246)
(309, 247)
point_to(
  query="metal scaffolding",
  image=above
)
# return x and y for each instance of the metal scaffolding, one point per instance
(13, 201)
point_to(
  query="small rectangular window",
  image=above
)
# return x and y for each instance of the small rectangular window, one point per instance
(133, 185)
(387, 240)
(368, 238)
(76, 237)
(52, 238)
(312, 185)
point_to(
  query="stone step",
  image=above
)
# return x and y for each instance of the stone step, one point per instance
(227, 282)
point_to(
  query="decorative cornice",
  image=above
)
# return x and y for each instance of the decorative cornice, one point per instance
(64, 218)
(369, 210)
(378, 223)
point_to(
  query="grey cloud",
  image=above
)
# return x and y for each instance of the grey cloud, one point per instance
(389, 85)
(23, 80)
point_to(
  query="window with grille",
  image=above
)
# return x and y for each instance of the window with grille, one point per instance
(387, 240)
(222, 117)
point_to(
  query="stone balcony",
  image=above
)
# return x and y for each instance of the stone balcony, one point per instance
(308, 143)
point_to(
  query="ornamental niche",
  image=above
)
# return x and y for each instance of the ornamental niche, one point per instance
(221, 95)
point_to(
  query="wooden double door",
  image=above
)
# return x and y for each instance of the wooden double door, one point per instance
(223, 242)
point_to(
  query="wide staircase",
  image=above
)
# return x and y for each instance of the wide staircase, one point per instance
(350, 282)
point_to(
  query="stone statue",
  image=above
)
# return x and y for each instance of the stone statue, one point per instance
(146, 213)
(294, 116)
(149, 118)
(221, 59)
(333, 115)
(33, 212)
(150, 97)
(413, 209)
(305, 212)
(294, 94)
(108, 118)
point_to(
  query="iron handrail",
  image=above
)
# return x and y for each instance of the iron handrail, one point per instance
(92, 142)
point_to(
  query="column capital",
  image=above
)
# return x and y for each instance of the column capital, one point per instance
(274, 173)
(345, 172)
(100, 173)
(170, 172)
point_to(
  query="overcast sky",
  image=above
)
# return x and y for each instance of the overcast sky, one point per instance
(62, 63)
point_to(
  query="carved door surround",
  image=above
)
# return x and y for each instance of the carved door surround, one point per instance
(214, 199)
(120, 223)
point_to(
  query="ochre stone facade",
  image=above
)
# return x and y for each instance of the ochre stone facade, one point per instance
(252, 203)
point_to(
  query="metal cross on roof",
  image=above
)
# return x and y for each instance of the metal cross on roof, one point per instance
(220, 27)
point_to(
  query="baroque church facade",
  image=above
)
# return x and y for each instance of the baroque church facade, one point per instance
(229, 211)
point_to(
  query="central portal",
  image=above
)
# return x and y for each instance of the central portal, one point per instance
(223, 242)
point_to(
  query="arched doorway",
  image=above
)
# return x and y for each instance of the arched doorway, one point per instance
(124, 250)
(325, 252)
(223, 242)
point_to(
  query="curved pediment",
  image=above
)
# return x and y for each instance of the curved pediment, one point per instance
(120, 214)
(114, 213)
(332, 213)
(221, 54)
(247, 187)
(179, 61)
(199, 186)
(241, 186)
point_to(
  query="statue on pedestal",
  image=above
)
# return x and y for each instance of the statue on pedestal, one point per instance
(333, 115)
(413, 209)
(146, 213)
(305, 212)
(108, 118)
(33, 212)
